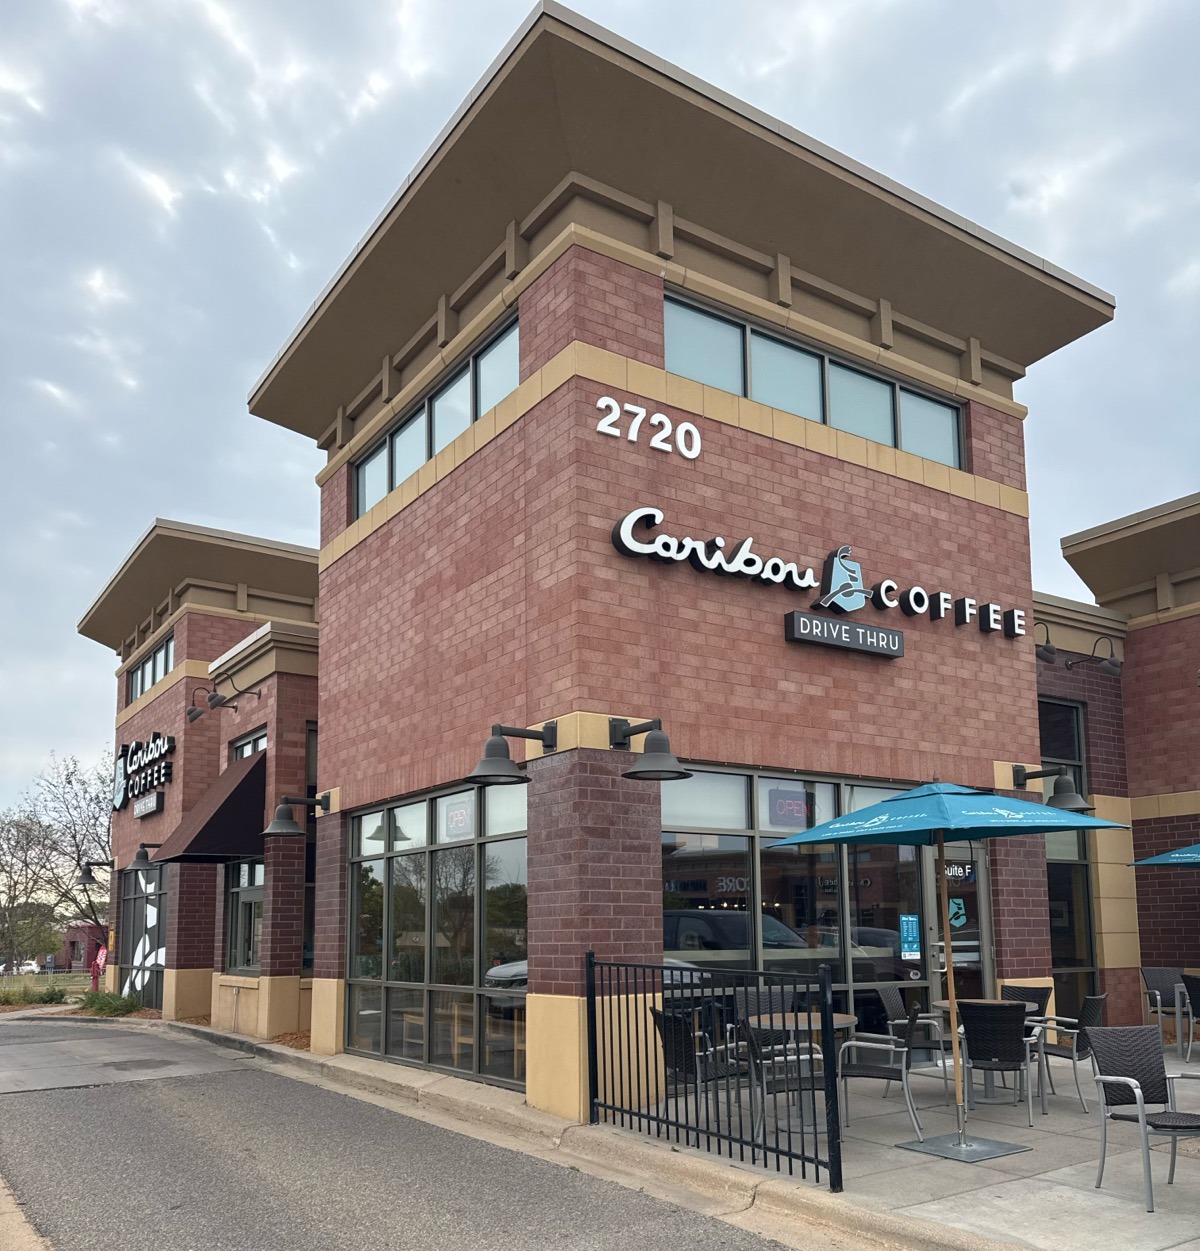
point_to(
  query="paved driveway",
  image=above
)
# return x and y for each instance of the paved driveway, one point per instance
(117, 1136)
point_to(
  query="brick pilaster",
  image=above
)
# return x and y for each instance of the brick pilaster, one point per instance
(283, 907)
(191, 915)
(595, 867)
(329, 930)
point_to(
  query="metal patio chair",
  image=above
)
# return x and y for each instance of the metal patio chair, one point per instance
(1160, 994)
(929, 1022)
(1077, 1047)
(1130, 1072)
(889, 1061)
(995, 1041)
(1191, 1005)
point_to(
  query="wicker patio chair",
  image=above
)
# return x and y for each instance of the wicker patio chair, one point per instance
(793, 1070)
(1191, 988)
(1091, 1014)
(1130, 1073)
(1160, 994)
(995, 1041)
(694, 1063)
(889, 1060)
(1039, 995)
(930, 1023)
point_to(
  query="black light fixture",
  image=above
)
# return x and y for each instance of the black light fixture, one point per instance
(656, 763)
(86, 876)
(194, 713)
(1046, 652)
(1108, 665)
(496, 767)
(1065, 795)
(284, 823)
(217, 700)
(141, 859)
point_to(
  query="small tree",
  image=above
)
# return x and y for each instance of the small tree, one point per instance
(24, 879)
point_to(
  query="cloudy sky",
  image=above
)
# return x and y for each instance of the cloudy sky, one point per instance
(179, 179)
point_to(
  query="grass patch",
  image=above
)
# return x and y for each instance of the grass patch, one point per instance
(106, 1003)
(28, 993)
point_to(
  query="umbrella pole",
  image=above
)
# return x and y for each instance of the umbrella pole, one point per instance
(943, 891)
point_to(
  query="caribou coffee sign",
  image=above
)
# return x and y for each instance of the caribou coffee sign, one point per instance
(140, 769)
(843, 589)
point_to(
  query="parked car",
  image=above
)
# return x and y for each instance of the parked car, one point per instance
(29, 966)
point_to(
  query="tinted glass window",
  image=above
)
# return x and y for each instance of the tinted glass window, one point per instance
(372, 480)
(860, 405)
(506, 809)
(408, 448)
(450, 411)
(454, 916)
(704, 347)
(709, 800)
(928, 428)
(498, 370)
(1059, 727)
(785, 377)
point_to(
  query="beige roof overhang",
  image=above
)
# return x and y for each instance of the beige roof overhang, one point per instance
(567, 96)
(171, 552)
(1135, 549)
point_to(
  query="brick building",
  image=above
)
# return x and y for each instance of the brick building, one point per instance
(638, 404)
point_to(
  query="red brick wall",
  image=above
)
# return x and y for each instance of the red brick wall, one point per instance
(1124, 990)
(590, 298)
(1104, 718)
(329, 937)
(191, 915)
(1168, 896)
(1162, 707)
(595, 868)
(1020, 905)
(337, 498)
(283, 907)
(995, 445)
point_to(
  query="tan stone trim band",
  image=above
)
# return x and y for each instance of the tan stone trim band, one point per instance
(1168, 804)
(1163, 616)
(764, 310)
(190, 670)
(582, 360)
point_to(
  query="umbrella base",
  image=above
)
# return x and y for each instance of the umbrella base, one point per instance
(971, 1151)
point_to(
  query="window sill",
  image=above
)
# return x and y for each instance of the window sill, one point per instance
(247, 980)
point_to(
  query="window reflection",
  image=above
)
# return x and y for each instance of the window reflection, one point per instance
(366, 952)
(454, 916)
(800, 895)
(706, 900)
(408, 919)
(453, 1033)
(505, 903)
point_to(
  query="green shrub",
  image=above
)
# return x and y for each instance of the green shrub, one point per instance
(54, 993)
(7, 998)
(106, 1003)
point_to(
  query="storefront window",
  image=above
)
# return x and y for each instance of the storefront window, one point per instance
(715, 801)
(244, 908)
(707, 888)
(456, 952)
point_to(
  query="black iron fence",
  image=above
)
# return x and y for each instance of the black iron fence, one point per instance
(743, 1065)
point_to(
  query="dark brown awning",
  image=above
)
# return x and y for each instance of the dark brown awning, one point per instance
(227, 823)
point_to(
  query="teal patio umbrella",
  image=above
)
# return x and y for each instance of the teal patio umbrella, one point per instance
(933, 816)
(1186, 857)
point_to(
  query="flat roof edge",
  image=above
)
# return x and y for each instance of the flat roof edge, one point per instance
(575, 21)
(1078, 608)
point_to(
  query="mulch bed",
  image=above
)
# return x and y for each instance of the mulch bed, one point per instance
(195, 1020)
(298, 1041)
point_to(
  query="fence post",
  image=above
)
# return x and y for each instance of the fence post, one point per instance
(593, 1078)
(833, 1115)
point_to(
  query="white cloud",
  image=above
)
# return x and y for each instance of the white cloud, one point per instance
(112, 352)
(1052, 182)
(104, 287)
(1185, 281)
(22, 86)
(1092, 30)
(52, 390)
(157, 186)
(979, 85)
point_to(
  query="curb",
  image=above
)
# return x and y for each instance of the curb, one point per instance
(736, 1191)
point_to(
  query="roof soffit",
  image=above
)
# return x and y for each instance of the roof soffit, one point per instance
(565, 101)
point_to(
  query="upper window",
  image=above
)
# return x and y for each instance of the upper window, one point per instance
(488, 376)
(733, 356)
(248, 745)
(153, 668)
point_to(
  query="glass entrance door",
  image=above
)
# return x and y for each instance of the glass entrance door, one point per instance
(970, 927)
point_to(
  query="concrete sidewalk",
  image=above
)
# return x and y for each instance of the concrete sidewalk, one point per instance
(1043, 1198)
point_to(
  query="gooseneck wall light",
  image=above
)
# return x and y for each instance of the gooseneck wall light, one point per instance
(1046, 652)
(86, 876)
(1108, 665)
(284, 823)
(496, 767)
(215, 699)
(656, 763)
(1065, 795)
